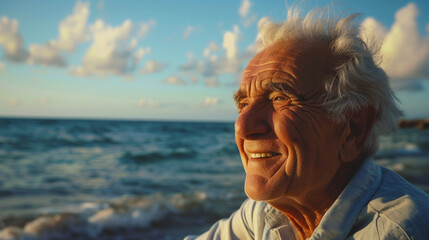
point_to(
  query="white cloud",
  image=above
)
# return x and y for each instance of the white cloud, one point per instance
(212, 47)
(141, 102)
(44, 100)
(405, 55)
(229, 65)
(188, 32)
(78, 72)
(152, 67)
(11, 40)
(247, 18)
(141, 53)
(14, 102)
(402, 48)
(73, 29)
(111, 52)
(191, 64)
(211, 101)
(174, 80)
(148, 103)
(46, 55)
(145, 27)
(222, 65)
(230, 40)
(244, 9)
(373, 31)
(212, 82)
(206, 52)
(230, 62)
(194, 78)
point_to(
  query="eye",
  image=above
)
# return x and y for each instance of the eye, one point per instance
(279, 98)
(242, 105)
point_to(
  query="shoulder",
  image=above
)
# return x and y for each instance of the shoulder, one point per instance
(400, 208)
(245, 223)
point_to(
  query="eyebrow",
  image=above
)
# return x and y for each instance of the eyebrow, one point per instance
(272, 86)
(286, 89)
(239, 95)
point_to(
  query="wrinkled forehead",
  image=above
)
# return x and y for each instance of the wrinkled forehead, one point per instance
(289, 60)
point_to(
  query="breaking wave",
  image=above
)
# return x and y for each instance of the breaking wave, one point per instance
(122, 219)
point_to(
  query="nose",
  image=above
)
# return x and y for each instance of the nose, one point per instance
(252, 123)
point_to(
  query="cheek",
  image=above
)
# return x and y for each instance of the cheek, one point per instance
(298, 132)
(290, 140)
(287, 127)
(305, 127)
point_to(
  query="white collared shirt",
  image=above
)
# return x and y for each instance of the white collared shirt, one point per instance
(376, 204)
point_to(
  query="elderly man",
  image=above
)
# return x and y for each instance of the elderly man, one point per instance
(311, 106)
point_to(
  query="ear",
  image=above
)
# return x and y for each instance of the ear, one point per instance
(356, 130)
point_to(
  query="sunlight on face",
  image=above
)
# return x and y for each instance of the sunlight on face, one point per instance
(287, 142)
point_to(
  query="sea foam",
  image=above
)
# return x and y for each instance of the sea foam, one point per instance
(93, 220)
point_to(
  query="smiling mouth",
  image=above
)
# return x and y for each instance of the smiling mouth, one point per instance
(263, 155)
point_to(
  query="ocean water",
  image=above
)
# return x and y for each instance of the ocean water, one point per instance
(93, 179)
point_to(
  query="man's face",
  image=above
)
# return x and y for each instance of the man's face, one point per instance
(288, 144)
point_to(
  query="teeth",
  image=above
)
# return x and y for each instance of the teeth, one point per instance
(261, 155)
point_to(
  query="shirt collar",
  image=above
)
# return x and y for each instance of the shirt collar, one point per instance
(340, 217)
(276, 220)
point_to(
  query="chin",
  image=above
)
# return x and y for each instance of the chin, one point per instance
(257, 190)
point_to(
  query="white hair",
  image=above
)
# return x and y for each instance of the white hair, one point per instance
(356, 82)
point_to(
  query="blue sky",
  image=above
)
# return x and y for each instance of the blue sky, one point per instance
(172, 60)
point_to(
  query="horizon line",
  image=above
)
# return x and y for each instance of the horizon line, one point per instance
(73, 118)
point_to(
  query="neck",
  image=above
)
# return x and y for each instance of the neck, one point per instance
(306, 212)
